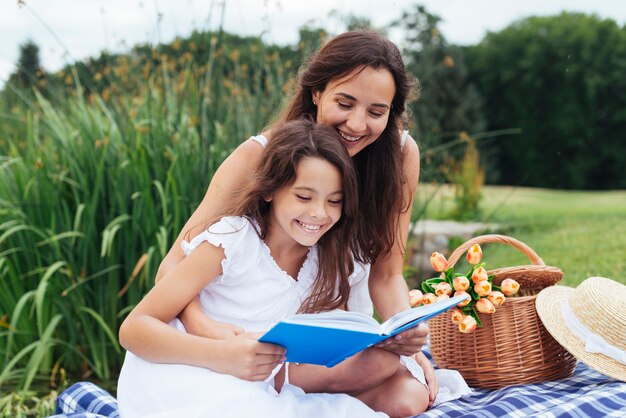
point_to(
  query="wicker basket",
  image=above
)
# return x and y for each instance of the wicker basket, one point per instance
(512, 347)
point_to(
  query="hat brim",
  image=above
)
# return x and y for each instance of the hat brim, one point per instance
(548, 304)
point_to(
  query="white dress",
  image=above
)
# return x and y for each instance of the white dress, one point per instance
(253, 292)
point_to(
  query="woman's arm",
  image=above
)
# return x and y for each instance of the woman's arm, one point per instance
(146, 332)
(229, 178)
(234, 172)
(388, 288)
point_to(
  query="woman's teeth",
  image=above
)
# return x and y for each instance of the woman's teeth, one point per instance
(349, 138)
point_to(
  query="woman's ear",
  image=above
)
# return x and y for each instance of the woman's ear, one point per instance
(316, 97)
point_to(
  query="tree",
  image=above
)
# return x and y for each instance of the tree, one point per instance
(448, 103)
(561, 80)
(28, 74)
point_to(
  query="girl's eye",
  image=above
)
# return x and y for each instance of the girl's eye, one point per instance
(335, 202)
(302, 197)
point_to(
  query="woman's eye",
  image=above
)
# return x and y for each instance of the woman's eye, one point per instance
(377, 114)
(344, 105)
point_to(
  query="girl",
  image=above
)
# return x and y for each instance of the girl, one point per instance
(288, 247)
(358, 85)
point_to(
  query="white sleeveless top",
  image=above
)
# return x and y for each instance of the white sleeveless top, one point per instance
(262, 140)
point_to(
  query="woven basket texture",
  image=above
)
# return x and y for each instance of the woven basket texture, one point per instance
(512, 347)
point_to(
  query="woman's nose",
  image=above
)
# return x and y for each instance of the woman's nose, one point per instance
(356, 122)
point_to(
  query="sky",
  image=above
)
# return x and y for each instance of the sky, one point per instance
(70, 30)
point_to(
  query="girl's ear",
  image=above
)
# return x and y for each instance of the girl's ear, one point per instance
(267, 198)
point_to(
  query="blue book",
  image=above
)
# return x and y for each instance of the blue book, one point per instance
(328, 338)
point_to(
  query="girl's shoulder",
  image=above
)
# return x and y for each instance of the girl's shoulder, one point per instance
(228, 232)
(239, 239)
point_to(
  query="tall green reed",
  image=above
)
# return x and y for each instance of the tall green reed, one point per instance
(95, 186)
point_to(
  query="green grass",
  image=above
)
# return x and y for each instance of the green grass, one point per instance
(581, 232)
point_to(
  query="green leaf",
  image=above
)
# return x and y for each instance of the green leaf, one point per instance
(428, 285)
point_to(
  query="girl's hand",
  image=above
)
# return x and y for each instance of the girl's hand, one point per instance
(408, 342)
(429, 374)
(243, 356)
(221, 330)
(197, 323)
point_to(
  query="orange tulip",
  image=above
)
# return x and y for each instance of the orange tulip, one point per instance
(429, 298)
(438, 261)
(466, 301)
(443, 297)
(457, 316)
(461, 283)
(475, 254)
(479, 275)
(415, 297)
(497, 298)
(482, 288)
(484, 305)
(509, 287)
(467, 324)
(443, 288)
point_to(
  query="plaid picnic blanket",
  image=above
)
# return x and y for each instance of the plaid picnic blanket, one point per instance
(585, 394)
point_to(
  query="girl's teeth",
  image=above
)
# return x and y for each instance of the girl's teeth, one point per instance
(310, 227)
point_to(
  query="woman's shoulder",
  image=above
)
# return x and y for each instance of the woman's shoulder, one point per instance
(408, 145)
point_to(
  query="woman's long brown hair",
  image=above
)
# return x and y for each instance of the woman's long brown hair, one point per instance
(379, 165)
(290, 144)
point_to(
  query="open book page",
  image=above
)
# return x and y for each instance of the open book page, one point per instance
(396, 322)
(338, 318)
(328, 338)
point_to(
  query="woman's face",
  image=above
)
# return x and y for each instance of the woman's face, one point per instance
(357, 105)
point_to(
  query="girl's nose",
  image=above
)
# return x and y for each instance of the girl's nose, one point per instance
(318, 210)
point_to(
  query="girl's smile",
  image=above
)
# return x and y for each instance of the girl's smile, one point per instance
(305, 210)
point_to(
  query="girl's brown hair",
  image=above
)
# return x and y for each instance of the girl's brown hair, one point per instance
(290, 144)
(379, 165)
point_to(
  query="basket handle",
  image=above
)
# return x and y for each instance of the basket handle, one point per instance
(491, 238)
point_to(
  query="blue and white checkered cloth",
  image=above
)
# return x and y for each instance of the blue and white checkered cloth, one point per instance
(86, 400)
(585, 394)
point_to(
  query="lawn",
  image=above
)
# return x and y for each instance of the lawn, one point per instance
(581, 232)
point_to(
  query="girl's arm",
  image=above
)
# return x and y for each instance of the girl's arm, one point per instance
(229, 178)
(146, 332)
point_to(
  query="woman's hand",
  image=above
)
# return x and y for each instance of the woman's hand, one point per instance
(408, 342)
(429, 374)
(243, 356)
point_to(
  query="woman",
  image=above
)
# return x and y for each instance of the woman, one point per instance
(357, 83)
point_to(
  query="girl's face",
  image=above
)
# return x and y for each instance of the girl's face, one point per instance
(308, 208)
(357, 105)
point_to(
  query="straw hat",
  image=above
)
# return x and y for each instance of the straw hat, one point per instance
(577, 317)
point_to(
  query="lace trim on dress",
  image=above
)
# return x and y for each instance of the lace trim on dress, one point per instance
(308, 264)
(234, 235)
